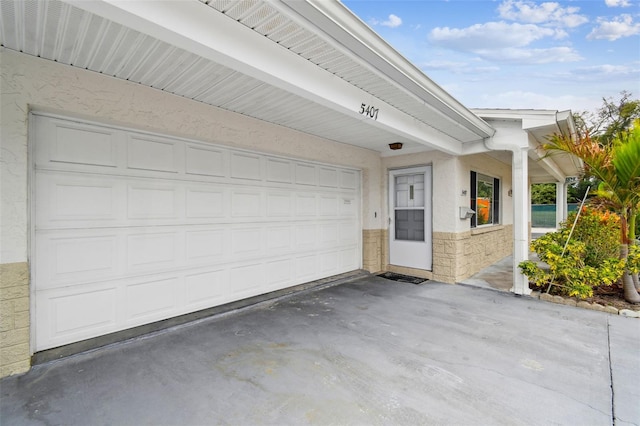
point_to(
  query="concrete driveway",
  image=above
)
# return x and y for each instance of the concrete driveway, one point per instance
(367, 352)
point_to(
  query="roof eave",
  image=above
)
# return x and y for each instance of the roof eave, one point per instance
(337, 21)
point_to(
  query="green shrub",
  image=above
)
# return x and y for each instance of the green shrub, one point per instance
(599, 231)
(590, 259)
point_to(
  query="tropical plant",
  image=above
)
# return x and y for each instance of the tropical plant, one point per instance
(617, 165)
(581, 260)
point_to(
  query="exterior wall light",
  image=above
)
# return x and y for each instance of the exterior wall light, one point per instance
(395, 145)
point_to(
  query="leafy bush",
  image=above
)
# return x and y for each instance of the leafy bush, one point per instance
(591, 257)
(599, 231)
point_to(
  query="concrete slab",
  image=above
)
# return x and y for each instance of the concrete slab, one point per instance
(624, 348)
(372, 351)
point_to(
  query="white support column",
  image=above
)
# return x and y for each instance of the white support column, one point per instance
(521, 207)
(561, 202)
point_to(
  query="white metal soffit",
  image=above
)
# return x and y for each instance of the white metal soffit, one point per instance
(67, 34)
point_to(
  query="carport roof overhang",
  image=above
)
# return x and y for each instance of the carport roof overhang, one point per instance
(309, 65)
(539, 126)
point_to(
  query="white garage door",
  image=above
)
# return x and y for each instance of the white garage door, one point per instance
(132, 228)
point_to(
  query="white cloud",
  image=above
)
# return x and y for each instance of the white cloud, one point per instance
(457, 67)
(518, 99)
(392, 22)
(501, 41)
(621, 26)
(548, 13)
(604, 71)
(617, 3)
(492, 35)
(531, 56)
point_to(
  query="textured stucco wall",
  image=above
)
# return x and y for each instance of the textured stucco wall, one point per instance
(29, 83)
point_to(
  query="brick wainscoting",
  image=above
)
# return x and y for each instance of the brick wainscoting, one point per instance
(14, 318)
(457, 256)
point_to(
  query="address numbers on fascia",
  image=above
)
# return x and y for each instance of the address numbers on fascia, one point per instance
(369, 111)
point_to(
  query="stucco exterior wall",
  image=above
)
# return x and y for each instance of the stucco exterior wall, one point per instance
(29, 83)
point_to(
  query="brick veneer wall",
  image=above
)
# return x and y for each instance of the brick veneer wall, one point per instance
(14, 319)
(457, 256)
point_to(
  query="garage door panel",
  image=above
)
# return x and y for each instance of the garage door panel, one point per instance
(66, 199)
(205, 245)
(348, 179)
(328, 205)
(349, 233)
(144, 227)
(329, 262)
(68, 258)
(306, 205)
(279, 204)
(152, 201)
(151, 154)
(348, 206)
(305, 174)
(246, 166)
(279, 239)
(306, 236)
(328, 177)
(205, 161)
(247, 280)
(328, 234)
(153, 251)
(206, 289)
(279, 273)
(203, 202)
(279, 170)
(246, 204)
(68, 315)
(152, 300)
(349, 259)
(306, 266)
(246, 241)
(74, 143)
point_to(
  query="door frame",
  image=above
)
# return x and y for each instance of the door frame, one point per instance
(423, 258)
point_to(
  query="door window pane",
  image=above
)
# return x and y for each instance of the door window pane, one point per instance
(410, 225)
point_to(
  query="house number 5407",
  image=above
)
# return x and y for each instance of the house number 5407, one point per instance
(369, 111)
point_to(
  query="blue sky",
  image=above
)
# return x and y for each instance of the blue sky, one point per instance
(516, 53)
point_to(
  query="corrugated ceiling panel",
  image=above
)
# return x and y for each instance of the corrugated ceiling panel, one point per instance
(76, 27)
(199, 79)
(8, 30)
(31, 29)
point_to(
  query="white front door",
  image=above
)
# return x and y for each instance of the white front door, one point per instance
(410, 217)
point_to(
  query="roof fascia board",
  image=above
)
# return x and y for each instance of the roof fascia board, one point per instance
(343, 26)
(199, 29)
